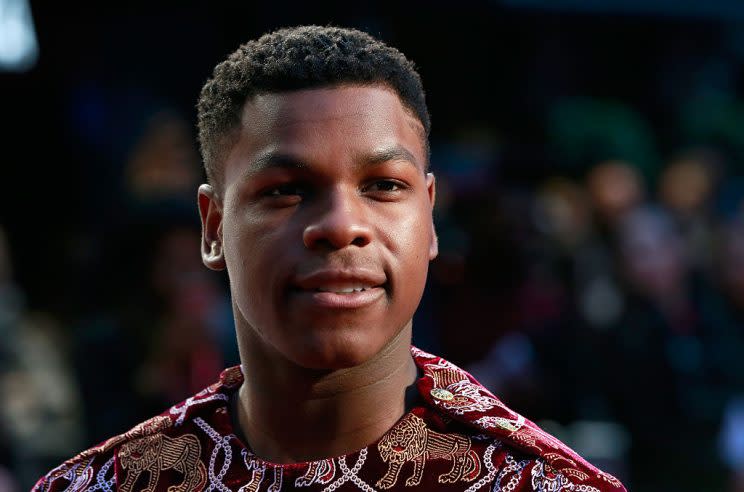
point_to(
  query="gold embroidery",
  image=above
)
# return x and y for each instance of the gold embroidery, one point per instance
(511, 425)
(159, 452)
(553, 459)
(466, 396)
(232, 377)
(527, 438)
(258, 471)
(320, 472)
(577, 474)
(150, 426)
(411, 440)
(79, 474)
(441, 394)
(556, 461)
(609, 479)
(444, 377)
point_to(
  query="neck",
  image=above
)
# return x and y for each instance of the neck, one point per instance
(292, 414)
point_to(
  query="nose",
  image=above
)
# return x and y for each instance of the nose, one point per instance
(338, 223)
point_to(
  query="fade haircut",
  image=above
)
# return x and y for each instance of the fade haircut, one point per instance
(298, 58)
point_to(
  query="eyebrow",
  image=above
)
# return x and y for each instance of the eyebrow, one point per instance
(275, 159)
(394, 153)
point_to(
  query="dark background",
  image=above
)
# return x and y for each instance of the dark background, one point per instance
(589, 157)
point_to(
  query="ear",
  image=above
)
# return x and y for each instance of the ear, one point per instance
(432, 190)
(210, 211)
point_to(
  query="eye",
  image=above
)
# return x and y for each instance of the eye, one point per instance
(284, 195)
(384, 185)
(287, 189)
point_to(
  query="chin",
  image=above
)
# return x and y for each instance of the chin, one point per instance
(341, 353)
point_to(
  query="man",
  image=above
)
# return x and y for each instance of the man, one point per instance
(319, 205)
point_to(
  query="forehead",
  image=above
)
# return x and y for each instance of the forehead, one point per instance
(327, 122)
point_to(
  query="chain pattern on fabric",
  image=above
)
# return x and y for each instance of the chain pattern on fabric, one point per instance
(488, 461)
(350, 474)
(192, 401)
(220, 443)
(512, 466)
(101, 482)
(78, 475)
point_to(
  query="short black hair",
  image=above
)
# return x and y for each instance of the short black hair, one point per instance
(298, 58)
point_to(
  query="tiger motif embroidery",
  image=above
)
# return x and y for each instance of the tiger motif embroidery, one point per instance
(411, 441)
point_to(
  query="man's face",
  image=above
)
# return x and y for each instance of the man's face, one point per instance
(324, 223)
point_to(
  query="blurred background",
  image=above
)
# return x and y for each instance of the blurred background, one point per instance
(590, 164)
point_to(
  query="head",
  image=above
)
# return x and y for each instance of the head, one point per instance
(615, 189)
(292, 59)
(319, 202)
(653, 254)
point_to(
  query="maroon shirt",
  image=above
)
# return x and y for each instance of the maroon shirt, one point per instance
(459, 437)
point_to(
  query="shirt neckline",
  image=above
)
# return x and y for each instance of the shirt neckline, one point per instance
(413, 405)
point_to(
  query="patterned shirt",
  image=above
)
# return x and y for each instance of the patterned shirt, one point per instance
(460, 438)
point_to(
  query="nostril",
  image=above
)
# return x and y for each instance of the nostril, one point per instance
(336, 235)
(360, 241)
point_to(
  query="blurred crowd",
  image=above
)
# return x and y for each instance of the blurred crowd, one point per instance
(607, 298)
(595, 284)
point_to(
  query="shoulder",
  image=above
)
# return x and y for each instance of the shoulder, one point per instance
(550, 464)
(94, 468)
(95, 465)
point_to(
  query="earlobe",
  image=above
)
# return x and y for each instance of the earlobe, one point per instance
(432, 190)
(210, 211)
(434, 244)
(213, 257)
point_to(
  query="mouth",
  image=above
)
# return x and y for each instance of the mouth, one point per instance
(345, 289)
(340, 289)
(343, 299)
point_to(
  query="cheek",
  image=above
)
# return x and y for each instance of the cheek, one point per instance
(249, 256)
(409, 241)
(419, 229)
(247, 235)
